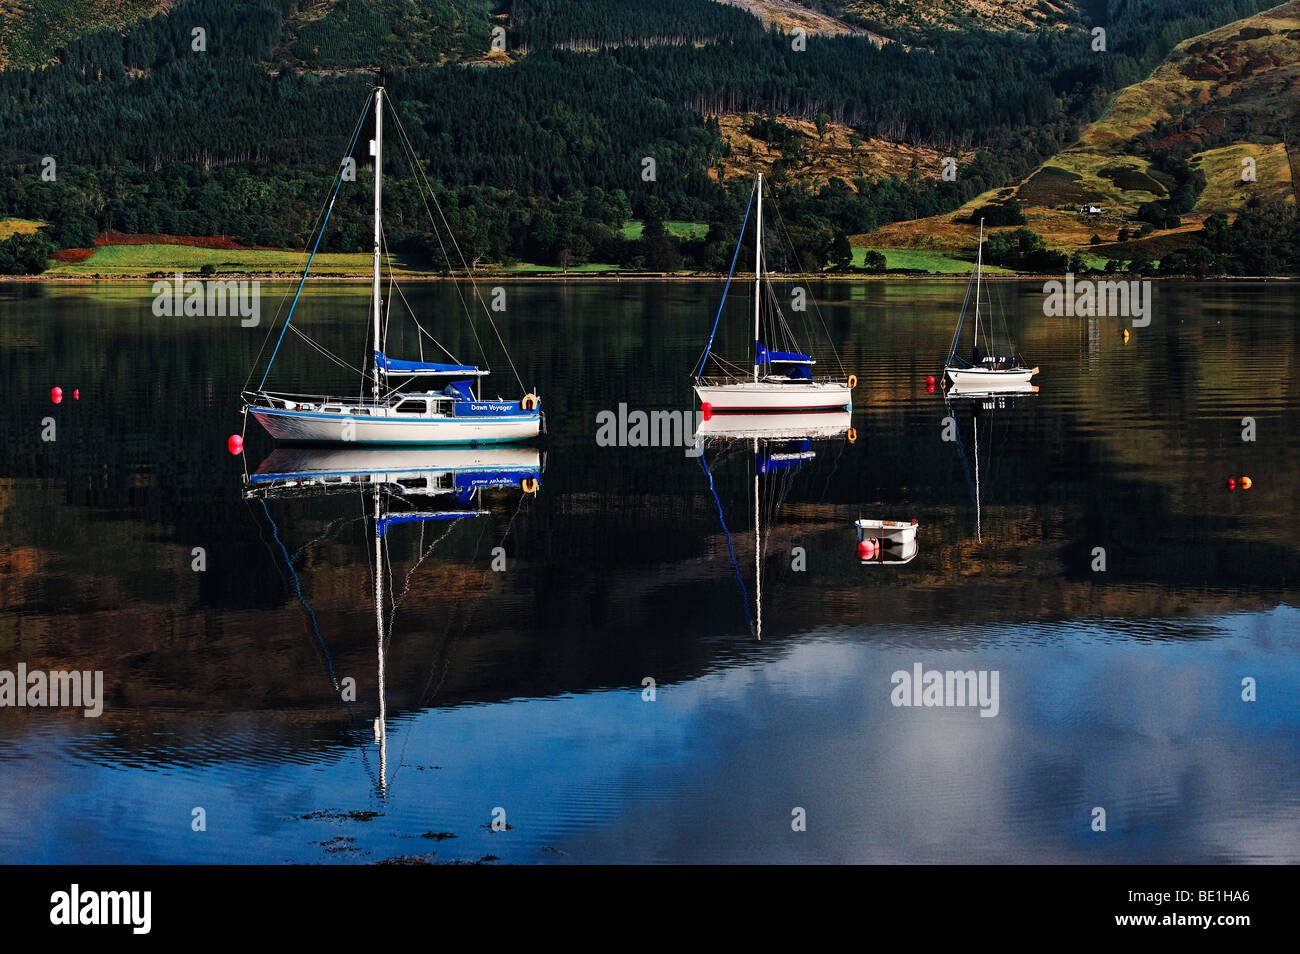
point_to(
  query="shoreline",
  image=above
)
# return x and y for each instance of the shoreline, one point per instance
(629, 276)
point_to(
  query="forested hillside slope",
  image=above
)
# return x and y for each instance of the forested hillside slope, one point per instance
(542, 158)
(1211, 135)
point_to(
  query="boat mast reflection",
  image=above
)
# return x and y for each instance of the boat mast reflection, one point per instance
(983, 403)
(778, 445)
(404, 486)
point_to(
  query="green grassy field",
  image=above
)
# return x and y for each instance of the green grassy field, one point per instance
(936, 263)
(690, 230)
(588, 267)
(143, 260)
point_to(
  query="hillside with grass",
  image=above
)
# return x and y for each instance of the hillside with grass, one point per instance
(811, 153)
(32, 31)
(1212, 130)
(924, 15)
(788, 16)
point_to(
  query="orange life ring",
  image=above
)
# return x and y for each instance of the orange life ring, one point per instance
(853, 381)
(528, 485)
(853, 434)
(530, 401)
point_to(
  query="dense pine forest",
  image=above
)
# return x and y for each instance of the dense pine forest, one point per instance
(537, 153)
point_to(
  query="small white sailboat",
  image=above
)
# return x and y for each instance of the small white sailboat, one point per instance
(455, 413)
(782, 380)
(983, 372)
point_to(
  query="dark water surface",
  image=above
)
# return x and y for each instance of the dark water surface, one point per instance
(523, 690)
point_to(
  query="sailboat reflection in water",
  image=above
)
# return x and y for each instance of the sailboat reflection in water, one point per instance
(984, 405)
(405, 494)
(777, 446)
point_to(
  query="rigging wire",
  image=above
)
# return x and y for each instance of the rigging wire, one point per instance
(325, 352)
(419, 170)
(956, 338)
(421, 330)
(723, 520)
(731, 271)
(297, 585)
(449, 636)
(338, 183)
(420, 177)
(820, 318)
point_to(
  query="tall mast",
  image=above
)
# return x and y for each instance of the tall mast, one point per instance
(377, 147)
(979, 262)
(758, 271)
(979, 535)
(381, 723)
(758, 553)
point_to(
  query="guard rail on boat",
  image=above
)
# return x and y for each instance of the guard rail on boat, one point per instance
(718, 380)
(285, 401)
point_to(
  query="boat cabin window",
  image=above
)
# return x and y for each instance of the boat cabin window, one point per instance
(412, 406)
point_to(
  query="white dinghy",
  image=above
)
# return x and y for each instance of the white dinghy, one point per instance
(886, 541)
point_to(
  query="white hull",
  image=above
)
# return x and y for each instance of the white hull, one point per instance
(997, 391)
(761, 397)
(986, 379)
(407, 471)
(393, 462)
(892, 531)
(897, 539)
(891, 555)
(785, 426)
(328, 428)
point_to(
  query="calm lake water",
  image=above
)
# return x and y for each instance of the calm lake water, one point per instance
(520, 694)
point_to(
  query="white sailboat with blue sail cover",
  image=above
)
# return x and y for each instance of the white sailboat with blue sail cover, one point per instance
(397, 411)
(782, 380)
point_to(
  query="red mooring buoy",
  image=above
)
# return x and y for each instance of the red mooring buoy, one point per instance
(56, 395)
(706, 409)
(235, 444)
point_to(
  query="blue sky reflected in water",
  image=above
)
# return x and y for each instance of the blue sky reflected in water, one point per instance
(1153, 731)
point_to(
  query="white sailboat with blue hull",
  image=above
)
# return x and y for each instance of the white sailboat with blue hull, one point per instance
(398, 411)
